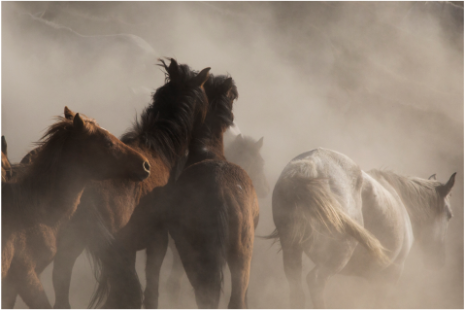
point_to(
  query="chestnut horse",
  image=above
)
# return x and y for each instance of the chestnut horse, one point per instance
(46, 193)
(162, 135)
(243, 151)
(355, 223)
(211, 211)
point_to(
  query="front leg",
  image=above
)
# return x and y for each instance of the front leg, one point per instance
(9, 293)
(156, 251)
(29, 286)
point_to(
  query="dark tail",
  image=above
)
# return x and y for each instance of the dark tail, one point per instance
(114, 269)
(313, 200)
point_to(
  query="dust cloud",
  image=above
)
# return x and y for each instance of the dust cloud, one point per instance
(379, 82)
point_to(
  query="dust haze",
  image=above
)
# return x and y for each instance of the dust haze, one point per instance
(379, 82)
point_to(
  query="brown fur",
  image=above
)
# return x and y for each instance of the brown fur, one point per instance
(45, 195)
(212, 194)
(162, 135)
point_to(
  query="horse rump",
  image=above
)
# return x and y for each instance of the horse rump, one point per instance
(299, 200)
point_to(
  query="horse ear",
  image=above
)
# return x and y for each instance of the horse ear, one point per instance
(202, 77)
(228, 84)
(173, 70)
(69, 114)
(432, 177)
(259, 143)
(4, 146)
(78, 122)
(445, 189)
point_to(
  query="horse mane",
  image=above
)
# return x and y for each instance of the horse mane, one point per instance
(49, 151)
(419, 195)
(166, 124)
(221, 99)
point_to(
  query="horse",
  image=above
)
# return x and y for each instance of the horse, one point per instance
(210, 186)
(6, 166)
(45, 194)
(243, 151)
(353, 222)
(162, 135)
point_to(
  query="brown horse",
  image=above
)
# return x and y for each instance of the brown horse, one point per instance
(213, 195)
(213, 221)
(46, 193)
(162, 135)
(243, 151)
(6, 166)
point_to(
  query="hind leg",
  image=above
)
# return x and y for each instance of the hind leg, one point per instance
(177, 271)
(239, 265)
(68, 250)
(330, 256)
(156, 251)
(203, 270)
(292, 259)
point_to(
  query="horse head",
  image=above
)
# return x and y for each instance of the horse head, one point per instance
(245, 152)
(94, 152)
(432, 233)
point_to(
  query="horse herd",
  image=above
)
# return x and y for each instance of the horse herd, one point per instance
(168, 176)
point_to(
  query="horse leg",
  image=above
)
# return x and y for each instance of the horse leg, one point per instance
(292, 258)
(156, 251)
(173, 284)
(239, 265)
(30, 288)
(204, 270)
(68, 250)
(317, 280)
(9, 293)
(386, 285)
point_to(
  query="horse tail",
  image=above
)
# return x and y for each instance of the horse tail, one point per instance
(219, 242)
(313, 201)
(114, 270)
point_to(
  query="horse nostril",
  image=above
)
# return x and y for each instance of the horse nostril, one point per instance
(146, 166)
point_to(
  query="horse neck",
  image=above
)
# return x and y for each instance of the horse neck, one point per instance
(415, 198)
(206, 145)
(51, 195)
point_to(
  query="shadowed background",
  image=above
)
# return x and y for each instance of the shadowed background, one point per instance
(379, 82)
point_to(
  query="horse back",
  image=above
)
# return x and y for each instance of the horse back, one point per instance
(211, 187)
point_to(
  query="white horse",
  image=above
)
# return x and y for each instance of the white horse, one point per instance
(355, 223)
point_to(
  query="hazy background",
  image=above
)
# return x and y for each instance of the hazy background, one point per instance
(379, 82)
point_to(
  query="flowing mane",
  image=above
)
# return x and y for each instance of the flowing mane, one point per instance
(166, 124)
(36, 178)
(221, 99)
(419, 195)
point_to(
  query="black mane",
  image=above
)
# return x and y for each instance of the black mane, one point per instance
(166, 124)
(221, 98)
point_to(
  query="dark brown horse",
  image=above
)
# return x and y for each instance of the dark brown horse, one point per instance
(243, 151)
(46, 193)
(162, 135)
(211, 211)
